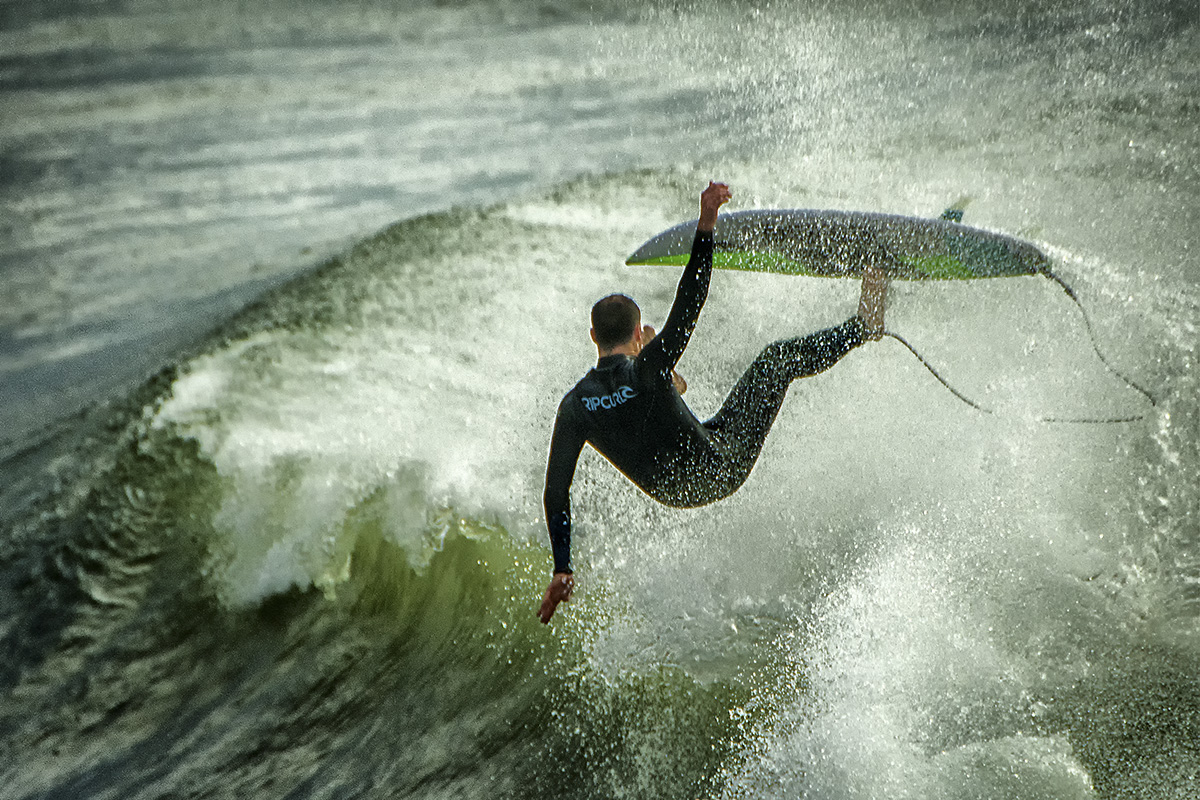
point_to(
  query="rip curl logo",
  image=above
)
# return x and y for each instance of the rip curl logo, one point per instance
(613, 400)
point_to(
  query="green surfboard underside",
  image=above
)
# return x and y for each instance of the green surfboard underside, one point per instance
(930, 268)
(841, 244)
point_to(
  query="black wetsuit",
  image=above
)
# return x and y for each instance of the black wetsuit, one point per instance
(629, 410)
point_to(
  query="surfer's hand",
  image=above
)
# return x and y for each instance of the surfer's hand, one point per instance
(557, 592)
(648, 335)
(711, 199)
(872, 302)
(677, 380)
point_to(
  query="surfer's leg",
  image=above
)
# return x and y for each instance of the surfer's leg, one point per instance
(817, 352)
(745, 419)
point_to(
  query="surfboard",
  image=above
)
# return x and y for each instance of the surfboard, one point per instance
(839, 244)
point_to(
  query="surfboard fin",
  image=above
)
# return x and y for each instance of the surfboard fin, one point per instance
(955, 212)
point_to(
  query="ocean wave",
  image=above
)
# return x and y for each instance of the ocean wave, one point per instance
(320, 535)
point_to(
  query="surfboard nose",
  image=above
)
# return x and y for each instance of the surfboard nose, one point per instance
(672, 246)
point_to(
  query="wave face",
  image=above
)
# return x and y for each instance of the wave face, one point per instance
(303, 559)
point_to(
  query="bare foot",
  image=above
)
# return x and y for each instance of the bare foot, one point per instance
(873, 300)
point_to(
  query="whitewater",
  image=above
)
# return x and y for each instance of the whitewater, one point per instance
(291, 293)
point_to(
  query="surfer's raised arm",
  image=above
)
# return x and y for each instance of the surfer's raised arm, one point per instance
(659, 356)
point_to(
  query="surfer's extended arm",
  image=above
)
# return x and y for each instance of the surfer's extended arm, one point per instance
(565, 446)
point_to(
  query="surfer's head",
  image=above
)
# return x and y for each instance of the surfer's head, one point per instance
(616, 320)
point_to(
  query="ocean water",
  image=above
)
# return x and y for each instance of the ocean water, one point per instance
(291, 292)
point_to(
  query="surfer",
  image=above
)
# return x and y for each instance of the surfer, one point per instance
(629, 406)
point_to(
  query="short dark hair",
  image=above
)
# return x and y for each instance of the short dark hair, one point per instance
(615, 319)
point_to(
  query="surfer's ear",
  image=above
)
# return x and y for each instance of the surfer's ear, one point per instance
(638, 338)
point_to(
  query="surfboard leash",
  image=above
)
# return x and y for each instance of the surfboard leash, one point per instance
(936, 374)
(1087, 322)
(973, 404)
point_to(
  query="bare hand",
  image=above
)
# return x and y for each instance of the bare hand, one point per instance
(711, 199)
(558, 591)
(676, 379)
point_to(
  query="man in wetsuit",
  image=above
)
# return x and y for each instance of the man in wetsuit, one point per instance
(629, 406)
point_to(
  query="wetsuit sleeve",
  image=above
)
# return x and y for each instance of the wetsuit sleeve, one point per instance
(664, 351)
(565, 446)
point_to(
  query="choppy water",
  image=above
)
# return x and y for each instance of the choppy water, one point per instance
(300, 555)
